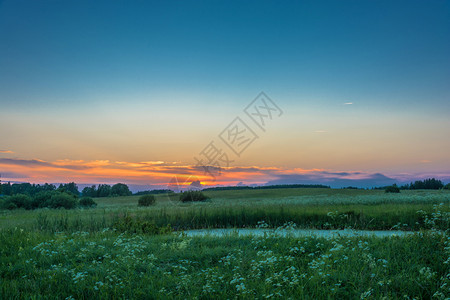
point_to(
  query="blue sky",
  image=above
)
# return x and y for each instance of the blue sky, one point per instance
(90, 77)
(59, 51)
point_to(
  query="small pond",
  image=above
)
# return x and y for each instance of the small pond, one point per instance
(294, 232)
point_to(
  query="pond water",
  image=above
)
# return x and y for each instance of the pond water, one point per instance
(294, 232)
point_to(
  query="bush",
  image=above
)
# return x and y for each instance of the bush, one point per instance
(193, 196)
(447, 186)
(63, 200)
(42, 199)
(18, 201)
(392, 189)
(87, 202)
(146, 200)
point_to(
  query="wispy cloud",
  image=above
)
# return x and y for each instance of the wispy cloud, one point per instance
(6, 151)
(159, 174)
(348, 103)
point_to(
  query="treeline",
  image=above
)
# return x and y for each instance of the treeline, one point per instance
(66, 195)
(32, 196)
(29, 189)
(279, 186)
(154, 192)
(427, 184)
(105, 190)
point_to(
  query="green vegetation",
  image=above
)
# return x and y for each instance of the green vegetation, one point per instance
(87, 202)
(193, 196)
(118, 250)
(154, 192)
(54, 199)
(62, 200)
(427, 184)
(269, 187)
(392, 189)
(146, 200)
(104, 190)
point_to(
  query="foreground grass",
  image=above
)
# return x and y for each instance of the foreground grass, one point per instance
(111, 265)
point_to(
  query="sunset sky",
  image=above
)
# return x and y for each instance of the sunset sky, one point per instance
(119, 91)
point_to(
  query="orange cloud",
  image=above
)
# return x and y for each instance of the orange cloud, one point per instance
(163, 174)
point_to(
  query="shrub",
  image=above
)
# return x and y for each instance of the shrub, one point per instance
(193, 196)
(87, 202)
(146, 200)
(18, 201)
(63, 200)
(42, 199)
(447, 186)
(392, 189)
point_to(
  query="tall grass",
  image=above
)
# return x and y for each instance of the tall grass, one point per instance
(108, 265)
(369, 210)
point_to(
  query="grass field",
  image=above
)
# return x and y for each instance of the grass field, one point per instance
(112, 251)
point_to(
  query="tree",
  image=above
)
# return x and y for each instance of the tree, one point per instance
(42, 198)
(63, 200)
(22, 188)
(103, 190)
(120, 189)
(7, 189)
(89, 191)
(18, 201)
(427, 184)
(71, 188)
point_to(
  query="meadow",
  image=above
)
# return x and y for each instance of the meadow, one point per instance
(119, 250)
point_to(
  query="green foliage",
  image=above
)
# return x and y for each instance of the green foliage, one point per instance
(135, 225)
(392, 189)
(89, 191)
(104, 190)
(193, 196)
(146, 200)
(120, 189)
(7, 189)
(427, 184)
(18, 201)
(154, 192)
(42, 198)
(271, 187)
(87, 202)
(447, 186)
(70, 188)
(50, 199)
(62, 200)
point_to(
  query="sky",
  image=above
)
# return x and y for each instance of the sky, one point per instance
(354, 92)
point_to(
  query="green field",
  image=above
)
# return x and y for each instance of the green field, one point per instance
(119, 250)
